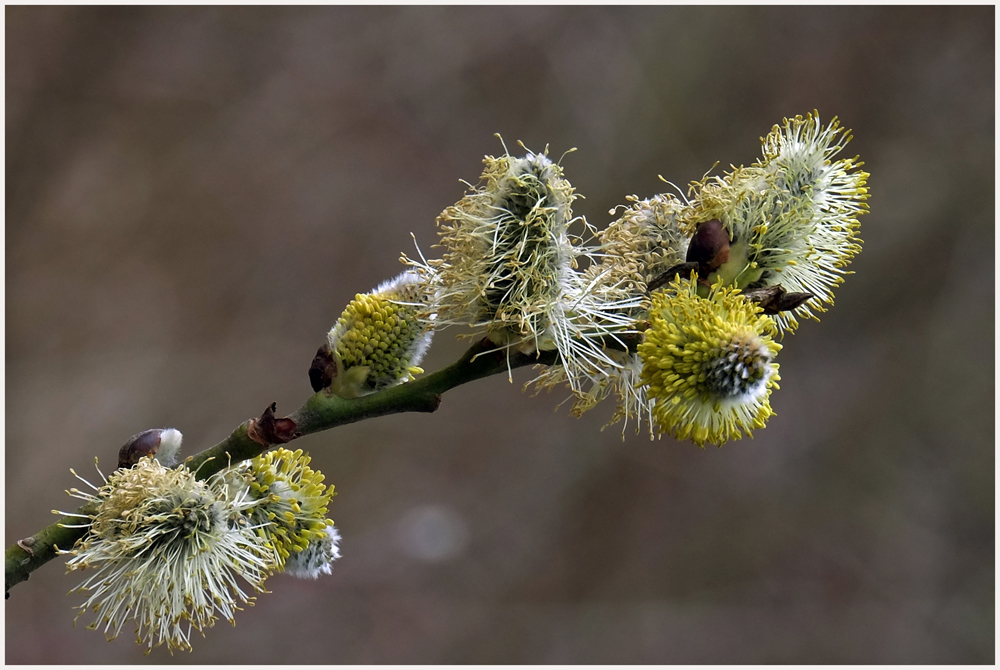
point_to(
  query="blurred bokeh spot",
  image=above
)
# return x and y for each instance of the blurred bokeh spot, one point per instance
(432, 533)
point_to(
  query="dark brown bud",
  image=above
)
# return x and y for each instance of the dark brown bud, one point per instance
(163, 441)
(709, 247)
(323, 369)
(790, 301)
(775, 299)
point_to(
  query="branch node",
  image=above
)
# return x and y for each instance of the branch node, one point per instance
(26, 544)
(268, 430)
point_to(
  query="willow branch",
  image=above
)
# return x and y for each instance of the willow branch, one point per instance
(322, 411)
(34, 551)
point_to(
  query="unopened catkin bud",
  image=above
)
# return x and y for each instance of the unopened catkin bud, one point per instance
(161, 443)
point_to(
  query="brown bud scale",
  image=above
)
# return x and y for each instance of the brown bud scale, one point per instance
(709, 247)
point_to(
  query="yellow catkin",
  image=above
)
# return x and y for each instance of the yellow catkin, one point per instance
(708, 363)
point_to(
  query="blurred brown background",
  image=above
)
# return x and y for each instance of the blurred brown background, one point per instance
(193, 195)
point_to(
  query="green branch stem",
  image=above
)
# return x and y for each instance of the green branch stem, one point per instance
(322, 411)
